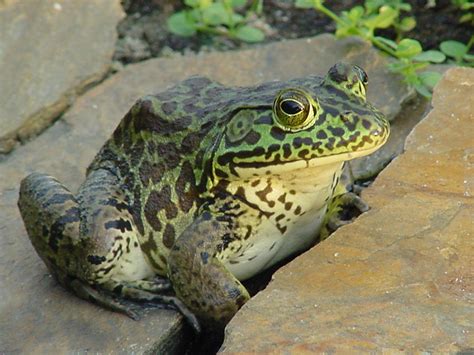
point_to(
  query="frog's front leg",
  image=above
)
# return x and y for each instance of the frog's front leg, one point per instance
(89, 241)
(343, 208)
(199, 278)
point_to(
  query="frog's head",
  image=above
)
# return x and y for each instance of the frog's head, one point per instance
(312, 123)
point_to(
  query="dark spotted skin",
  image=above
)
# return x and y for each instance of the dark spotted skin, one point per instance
(203, 185)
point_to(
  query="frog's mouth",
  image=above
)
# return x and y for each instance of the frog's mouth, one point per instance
(276, 166)
(263, 165)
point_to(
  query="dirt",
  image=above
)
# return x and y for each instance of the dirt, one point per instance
(143, 33)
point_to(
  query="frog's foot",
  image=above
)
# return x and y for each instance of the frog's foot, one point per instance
(144, 292)
(342, 210)
(129, 293)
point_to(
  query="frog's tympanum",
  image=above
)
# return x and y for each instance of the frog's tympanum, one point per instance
(205, 186)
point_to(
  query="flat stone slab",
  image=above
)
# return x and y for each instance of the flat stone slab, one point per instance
(49, 52)
(399, 279)
(36, 315)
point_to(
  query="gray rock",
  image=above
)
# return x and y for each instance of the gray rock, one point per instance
(36, 314)
(49, 52)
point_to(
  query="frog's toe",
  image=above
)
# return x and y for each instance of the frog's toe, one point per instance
(188, 315)
(148, 298)
(102, 298)
(173, 302)
(343, 210)
(178, 305)
(157, 285)
(357, 202)
(350, 205)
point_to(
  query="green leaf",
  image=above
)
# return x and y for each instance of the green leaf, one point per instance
(215, 15)
(468, 57)
(304, 4)
(422, 90)
(407, 24)
(408, 48)
(429, 78)
(346, 31)
(239, 3)
(454, 49)
(388, 42)
(384, 19)
(191, 3)
(466, 18)
(430, 56)
(404, 7)
(256, 6)
(237, 18)
(180, 24)
(395, 67)
(419, 65)
(372, 6)
(355, 13)
(249, 34)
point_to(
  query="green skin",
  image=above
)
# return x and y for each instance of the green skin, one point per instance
(204, 186)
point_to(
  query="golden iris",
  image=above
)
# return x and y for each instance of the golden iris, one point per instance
(293, 109)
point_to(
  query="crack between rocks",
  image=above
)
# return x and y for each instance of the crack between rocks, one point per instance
(44, 118)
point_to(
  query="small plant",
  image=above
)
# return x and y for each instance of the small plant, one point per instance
(219, 17)
(411, 59)
(458, 52)
(363, 21)
(465, 6)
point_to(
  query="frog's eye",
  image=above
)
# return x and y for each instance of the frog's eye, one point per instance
(351, 78)
(293, 109)
(361, 74)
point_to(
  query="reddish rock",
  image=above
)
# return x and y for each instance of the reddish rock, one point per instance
(401, 278)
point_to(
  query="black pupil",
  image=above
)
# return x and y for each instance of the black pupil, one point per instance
(291, 107)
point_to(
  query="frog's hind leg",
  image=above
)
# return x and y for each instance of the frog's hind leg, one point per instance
(89, 242)
(51, 216)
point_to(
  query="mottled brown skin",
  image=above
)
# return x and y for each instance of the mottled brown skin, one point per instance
(204, 186)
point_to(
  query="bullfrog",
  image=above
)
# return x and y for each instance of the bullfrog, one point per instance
(201, 187)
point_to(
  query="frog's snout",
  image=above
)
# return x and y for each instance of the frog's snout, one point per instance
(381, 130)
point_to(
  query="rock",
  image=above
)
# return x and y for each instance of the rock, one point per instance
(37, 315)
(399, 279)
(412, 112)
(367, 167)
(50, 52)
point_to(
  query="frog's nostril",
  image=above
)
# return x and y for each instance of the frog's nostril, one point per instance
(380, 131)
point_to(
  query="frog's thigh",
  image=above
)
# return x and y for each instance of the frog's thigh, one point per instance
(200, 280)
(91, 236)
(112, 250)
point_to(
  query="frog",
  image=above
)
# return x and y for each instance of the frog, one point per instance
(201, 187)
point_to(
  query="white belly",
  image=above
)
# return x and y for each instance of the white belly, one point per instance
(269, 246)
(293, 221)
